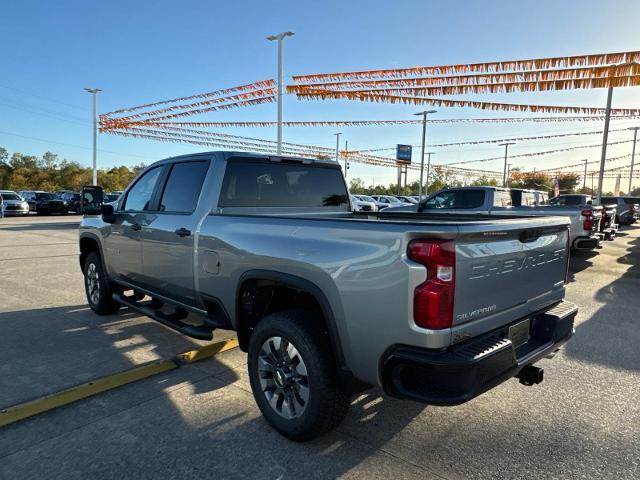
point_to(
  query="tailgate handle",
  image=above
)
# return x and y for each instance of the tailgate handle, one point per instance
(529, 235)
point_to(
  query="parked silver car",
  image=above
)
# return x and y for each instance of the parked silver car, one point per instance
(627, 208)
(13, 204)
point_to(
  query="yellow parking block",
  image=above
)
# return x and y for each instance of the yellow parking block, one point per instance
(207, 351)
(49, 402)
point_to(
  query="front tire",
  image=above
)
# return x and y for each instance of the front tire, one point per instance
(293, 375)
(97, 286)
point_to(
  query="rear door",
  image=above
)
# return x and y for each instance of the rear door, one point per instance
(168, 237)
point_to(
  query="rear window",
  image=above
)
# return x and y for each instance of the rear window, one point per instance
(463, 199)
(260, 184)
(609, 201)
(502, 198)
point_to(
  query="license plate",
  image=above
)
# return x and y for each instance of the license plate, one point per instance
(519, 333)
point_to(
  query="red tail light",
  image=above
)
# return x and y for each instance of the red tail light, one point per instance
(588, 222)
(433, 299)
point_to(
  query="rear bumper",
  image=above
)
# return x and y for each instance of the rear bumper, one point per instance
(465, 371)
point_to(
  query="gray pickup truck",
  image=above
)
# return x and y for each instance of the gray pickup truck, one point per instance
(608, 223)
(328, 302)
(584, 228)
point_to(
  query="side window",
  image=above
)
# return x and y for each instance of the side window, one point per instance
(140, 194)
(183, 187)
(528, 199)
(543, 199)
(501, 199)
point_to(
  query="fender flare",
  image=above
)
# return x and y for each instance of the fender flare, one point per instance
(312, 289)
(95, 238)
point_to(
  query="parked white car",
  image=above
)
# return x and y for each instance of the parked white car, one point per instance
(361, 204)
(12, 204)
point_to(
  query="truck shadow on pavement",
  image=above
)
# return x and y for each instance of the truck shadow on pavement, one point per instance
(612, 335)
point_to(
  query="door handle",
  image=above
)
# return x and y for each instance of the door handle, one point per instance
(182, 232)
(136, 226)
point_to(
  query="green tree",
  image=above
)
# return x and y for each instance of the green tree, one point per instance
(568, 182)
(356, 186)
(531, 180)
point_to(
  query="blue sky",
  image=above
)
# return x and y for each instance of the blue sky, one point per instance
(152, 50)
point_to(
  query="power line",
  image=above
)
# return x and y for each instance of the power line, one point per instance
(75, 146)
(49, 99)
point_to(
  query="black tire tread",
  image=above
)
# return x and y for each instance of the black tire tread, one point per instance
(308, 326)
(107, 305)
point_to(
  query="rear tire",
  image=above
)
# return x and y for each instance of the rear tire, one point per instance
(293, 375)
(97, 286)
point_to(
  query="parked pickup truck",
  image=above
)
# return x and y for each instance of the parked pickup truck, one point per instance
(608, 225)
(584, 230)
(326, 301)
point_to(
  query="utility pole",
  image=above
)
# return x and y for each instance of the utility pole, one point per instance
(346, 158)
(422, 152)
(633, 156)
(506, 150)
(508, 172)
(338, 146)
(605, 137)
(426, 187)
(280, 37)
(94, 93)
(584, 179)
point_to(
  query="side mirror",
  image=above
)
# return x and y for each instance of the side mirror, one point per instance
(108, 213)
(92, 200)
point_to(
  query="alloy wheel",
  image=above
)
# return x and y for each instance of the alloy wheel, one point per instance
(283, 377)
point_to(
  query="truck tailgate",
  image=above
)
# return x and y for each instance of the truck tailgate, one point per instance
(506, 271)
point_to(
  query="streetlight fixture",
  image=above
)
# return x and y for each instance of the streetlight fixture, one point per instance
(94, 92)
(422, 152)
(633, 156)
(280, 37)
(506, 150)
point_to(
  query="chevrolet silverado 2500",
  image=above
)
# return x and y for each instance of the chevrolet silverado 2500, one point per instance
(326, 301)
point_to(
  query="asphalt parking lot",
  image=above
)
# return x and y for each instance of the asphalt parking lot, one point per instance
(200, 421)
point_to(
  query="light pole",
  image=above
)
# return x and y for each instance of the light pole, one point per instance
(426, 187)
(506, 150)
(605, 136)
(422, 152)
(338, 146)
(280, 37)
(508, 172)
(94, 92)
(584, 179)
(633, 156)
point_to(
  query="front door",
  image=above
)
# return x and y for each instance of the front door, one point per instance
(168, 237)
(123, 243)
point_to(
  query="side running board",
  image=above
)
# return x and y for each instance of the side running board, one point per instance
(173, 321)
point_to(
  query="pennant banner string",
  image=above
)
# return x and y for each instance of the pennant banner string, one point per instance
(251, 86)
(475, 79)
(496, 66)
